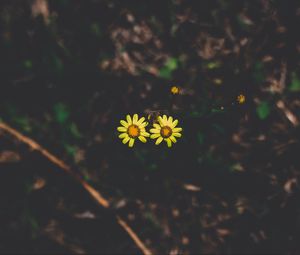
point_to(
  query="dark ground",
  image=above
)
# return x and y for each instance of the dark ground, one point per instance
(70, 70)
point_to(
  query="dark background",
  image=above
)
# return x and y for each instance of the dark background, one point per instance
(70, 70)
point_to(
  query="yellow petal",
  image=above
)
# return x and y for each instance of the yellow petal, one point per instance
(122, 129)
(156, 126)
(144, 124)
(142, 139)
(173, 139)
(123, 135)
(154, 130)
(135, 119)
(165, 119)
(124, 123)
(160, 120)
(159, 140)
(176, 130)
(170, 121)
(140, 121)
(131, 142)
(176, 134)
(126, 139)
(174, 123)
(146, 134)
(128, 118)
(154, 136)
(169, 142)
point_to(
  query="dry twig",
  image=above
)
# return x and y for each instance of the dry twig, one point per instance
(93, 192)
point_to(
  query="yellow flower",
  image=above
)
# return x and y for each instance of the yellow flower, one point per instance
(133, 128)
(241, 99)
(166, 130)
(175, 90)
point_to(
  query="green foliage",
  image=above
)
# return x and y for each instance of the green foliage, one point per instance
(61, 113)
(23, 122)
(263, 110)
(295, 83)
(75, 131)
(167, 70)
(70, 149)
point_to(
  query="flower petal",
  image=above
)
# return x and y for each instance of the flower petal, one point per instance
(140, 121)
(126, 139)
(142, 139)
(144, 124)
(173, 139)
(176, 134)
(160, 121)
(146, 134)
(154, 130)
(124, 123)
(169, 142)
(176, 130)
(159, 140)
(155, 125)
(170, 121)
(165, 119)
(131, 142)
(123, 135)
(135, 119)
(174, 123)
(122, 129)
(128, 118)
(154, 136)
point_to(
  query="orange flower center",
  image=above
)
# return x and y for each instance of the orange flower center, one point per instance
(166, 131)
(133, 131)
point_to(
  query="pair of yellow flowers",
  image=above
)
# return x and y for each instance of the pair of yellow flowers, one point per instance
(165, 129)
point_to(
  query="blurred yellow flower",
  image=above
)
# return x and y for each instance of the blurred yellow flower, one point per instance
(241, 99)
(175, 90)
(165, 130)
(133, 128)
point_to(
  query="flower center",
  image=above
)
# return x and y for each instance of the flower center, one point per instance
(166, 131)
(133, 131)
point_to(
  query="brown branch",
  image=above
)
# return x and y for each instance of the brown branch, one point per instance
(92, 192)
(289, 115)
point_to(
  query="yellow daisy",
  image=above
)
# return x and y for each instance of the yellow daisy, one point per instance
(133, 128)
(175, 90)
(166, 130)
(241, 99)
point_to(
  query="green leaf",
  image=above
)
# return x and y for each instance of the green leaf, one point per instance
(61, 113)
(295, 83)
(167, 70)
(263, 110)
(71, 149)
(172, 64)
(165, 73)
(23, 122)
(75, 131)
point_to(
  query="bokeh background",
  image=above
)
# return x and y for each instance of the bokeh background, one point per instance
(71, 69)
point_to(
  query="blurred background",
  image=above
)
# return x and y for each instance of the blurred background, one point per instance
(72, 69)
